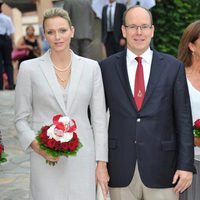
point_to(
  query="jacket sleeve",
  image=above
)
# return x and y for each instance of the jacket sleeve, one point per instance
(183, 123)
(98, 117)
(23, 106)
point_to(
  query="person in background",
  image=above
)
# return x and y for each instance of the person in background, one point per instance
(151, 147)
(6, 44)
(82, 16)
(61, 82)
(189, 54)
(45, 45)
(111, 22)
(31, 42)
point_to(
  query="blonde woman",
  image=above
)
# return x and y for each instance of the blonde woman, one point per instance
(61, 82)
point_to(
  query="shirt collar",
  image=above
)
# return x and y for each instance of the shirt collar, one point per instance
(146, 56)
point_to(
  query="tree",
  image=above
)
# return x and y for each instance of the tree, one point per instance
(171, 17)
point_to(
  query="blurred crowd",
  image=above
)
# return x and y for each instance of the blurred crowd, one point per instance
(31, 45)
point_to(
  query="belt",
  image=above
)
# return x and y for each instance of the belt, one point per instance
(6, 37)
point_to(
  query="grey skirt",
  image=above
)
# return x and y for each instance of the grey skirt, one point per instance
(193, 192)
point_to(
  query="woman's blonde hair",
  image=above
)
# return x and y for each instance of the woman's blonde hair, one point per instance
(56, 12)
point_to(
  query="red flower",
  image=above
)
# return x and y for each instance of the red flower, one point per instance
(73, 127)
(51, 143)
(43, 137)
(44, 129)
(64, 146)
(1, 149)
(60, 126)
(76, 142)
(57, 145)
(75, 137)
(44, 140)
(73, 144)
(197, 124)
(56, 118)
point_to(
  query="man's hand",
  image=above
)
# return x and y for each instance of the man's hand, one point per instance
(184, 179)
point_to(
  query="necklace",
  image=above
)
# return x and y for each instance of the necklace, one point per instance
(63, 69)
(60, 76)
(61, 79)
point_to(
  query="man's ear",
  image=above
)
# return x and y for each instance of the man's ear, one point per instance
(123, 28)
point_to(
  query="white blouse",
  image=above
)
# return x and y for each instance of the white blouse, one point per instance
(195, 105)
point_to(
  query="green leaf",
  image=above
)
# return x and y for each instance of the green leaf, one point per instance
(196, 132)
(3, 157)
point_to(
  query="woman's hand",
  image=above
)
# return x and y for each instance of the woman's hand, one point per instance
(102, 177)
(36, 148)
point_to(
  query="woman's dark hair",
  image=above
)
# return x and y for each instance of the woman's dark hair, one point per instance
(190, 35)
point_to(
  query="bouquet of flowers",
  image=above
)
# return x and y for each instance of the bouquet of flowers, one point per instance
(3, 155)
(196, 132)
(59, 139)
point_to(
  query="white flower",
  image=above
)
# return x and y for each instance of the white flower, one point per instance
(65, 120)
(50, 132)
(59, 135)
(66, 137)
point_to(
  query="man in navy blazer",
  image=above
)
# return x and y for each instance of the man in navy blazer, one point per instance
(150, 148)
(111, 29)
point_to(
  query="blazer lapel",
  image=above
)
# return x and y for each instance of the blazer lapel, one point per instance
(121, 67)
(155, 74)
(47, 68)
(76, 71)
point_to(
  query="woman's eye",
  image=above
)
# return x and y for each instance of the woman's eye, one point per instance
(63, 30)
(50, 33)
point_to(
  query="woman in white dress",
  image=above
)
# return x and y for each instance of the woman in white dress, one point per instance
(189, 53)
(61, 82)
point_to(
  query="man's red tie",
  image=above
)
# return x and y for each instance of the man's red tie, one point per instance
(139, 90)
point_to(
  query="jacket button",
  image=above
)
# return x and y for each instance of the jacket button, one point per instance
(138, 120)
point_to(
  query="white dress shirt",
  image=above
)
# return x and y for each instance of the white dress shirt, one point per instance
(132, 66)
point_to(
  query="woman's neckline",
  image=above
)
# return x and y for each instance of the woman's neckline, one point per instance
(193, 86)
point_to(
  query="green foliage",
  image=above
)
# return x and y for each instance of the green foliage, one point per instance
(3, 157)
(171, 17)
(196, 132)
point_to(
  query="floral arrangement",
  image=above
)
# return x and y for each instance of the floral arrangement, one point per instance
(196, 128)
(59, 139)
(196, 132)
(2, 154)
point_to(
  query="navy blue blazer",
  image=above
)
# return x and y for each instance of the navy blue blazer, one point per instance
(159, 137)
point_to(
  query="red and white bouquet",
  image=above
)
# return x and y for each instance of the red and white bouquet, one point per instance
(3, 155)
(196, 132)
(59, 139)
